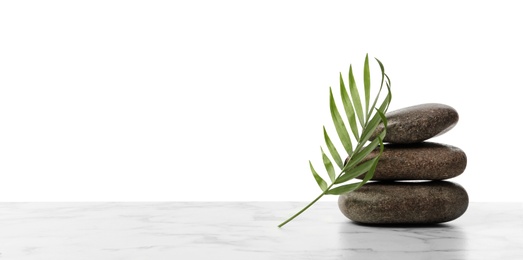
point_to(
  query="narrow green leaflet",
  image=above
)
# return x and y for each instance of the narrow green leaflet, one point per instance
(343, 189)
(358, 157)
(382, 68)
(366, 83)
(374, 122)
(360, 161)
(356, 171)
(388, 81)
(319, 180)
(340, 125)
(332, 149)
(370, 167)
(349, 110)
(381, 85)
(370, 173)
(385, 124)
(328, 165)
(355, 97)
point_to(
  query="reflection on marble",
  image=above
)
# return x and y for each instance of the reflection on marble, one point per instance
(246, 230)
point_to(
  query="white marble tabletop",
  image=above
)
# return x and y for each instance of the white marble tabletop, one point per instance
(246, 230)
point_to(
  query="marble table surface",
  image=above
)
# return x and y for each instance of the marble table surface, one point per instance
(246, 230)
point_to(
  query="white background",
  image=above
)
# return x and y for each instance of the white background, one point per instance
(225, 100)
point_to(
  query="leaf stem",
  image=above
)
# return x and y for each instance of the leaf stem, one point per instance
(304, 209)
(317, 198)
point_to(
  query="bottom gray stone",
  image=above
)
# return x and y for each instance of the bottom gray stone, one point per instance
(405, 202)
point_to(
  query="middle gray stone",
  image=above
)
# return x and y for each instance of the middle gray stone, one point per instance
(420, 161)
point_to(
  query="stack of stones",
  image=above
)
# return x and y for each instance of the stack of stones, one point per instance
(408, 186)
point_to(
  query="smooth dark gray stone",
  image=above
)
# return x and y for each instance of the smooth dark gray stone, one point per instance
(405, 203)
(418, 123)
(419, 161)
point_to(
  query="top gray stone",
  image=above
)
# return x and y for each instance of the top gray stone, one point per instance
(418, 123)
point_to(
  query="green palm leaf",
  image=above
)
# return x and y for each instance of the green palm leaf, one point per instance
(357, 152)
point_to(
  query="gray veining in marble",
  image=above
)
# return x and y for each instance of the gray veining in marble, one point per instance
(246, 230)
